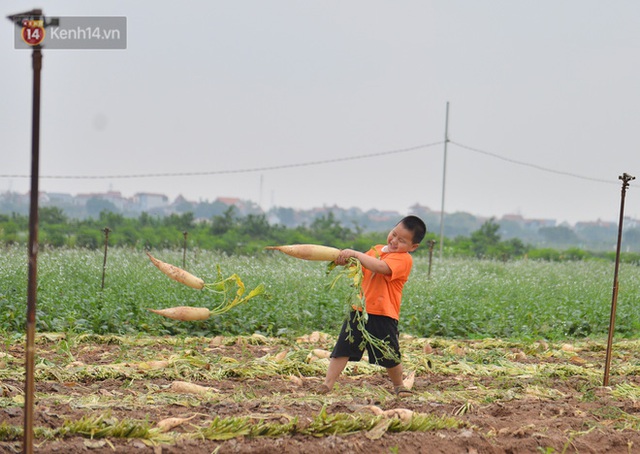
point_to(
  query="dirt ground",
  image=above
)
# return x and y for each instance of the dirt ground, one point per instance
(561, 413)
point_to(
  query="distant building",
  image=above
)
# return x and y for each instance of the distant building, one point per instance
(598, 223)
(631, 223)
(384, 216)
(517, 218)
(113, 197)
(181, 200)
(60, 198)
(244, 207)
(538, 223)
(533, 224)
(230, 201)
(146, 201)
(420, 210)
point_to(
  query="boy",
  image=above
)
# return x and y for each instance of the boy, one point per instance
(386, 269)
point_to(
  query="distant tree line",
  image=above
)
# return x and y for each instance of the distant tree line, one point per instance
(232, 233)
(593, 236)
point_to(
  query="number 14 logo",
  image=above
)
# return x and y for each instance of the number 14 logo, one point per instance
(33, 32)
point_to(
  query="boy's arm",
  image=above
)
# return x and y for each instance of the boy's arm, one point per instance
(370, 263)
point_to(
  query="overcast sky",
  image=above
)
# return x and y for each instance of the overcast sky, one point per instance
(310, 103)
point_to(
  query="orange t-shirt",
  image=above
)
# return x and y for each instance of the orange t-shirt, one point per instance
(383, 293)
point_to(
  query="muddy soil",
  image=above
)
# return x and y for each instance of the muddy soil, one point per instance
(568, 415)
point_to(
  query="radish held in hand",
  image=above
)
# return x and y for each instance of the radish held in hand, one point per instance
(309, 251)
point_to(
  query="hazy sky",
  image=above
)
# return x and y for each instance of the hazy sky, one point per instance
(269, 100)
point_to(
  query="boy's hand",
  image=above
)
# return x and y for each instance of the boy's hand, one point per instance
(345, 255)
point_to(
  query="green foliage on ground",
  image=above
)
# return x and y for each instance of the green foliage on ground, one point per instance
(460, 298)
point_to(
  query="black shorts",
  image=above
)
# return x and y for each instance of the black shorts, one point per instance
(380, 326)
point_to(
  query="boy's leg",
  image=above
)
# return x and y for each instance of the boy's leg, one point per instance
(395, 374)
(336, 366)
(343, 351)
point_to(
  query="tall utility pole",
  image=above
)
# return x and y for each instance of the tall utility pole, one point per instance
(32, 24)
(444, 178)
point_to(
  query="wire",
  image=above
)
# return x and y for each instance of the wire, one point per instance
(534, 166)
(219, 172)
(315, 163)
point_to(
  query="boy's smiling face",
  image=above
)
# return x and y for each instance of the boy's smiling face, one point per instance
(400, 239)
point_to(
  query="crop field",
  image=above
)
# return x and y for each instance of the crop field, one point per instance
(502, 357)
(523, 299)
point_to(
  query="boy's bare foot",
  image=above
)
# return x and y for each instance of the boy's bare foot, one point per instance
(322, 389)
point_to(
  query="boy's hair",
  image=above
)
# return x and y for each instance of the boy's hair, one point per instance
(416, 225)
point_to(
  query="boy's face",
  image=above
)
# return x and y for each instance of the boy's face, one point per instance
(400, 239)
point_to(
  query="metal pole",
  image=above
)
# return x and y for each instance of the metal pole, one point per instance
(444, 177)
(33, 256)
(431, 244)
(106, 246)
(184, 250)
(614, 299)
